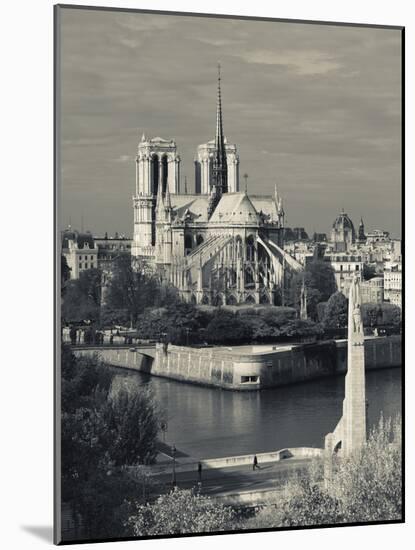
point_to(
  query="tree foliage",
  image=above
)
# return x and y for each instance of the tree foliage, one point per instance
(82, 297)
(369, 271)
(133, 288)
(381, 314)
(181, 511)
(369, 484)
(189, 324)
(227, 328)
(335, 314)
(106, 428)
(320, 284)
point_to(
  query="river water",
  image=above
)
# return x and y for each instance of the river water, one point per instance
(209, 422)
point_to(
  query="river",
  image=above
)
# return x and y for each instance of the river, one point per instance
(209, 422)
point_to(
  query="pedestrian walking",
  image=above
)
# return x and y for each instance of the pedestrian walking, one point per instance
(255, 464)
(199, 471)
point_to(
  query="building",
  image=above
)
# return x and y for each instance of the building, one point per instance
(346, 267)
(218, 245)
(361, 237)
(377, 236)
(343, 234)
(393, 283)
(80, 251)
(372, 291)
(320, 237)
(109, 248)
(302, 251)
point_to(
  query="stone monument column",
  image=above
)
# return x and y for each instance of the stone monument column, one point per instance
(349, 435)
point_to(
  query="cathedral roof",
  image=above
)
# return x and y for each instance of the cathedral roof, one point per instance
(235, 208)
(264, 204)
(196, 205)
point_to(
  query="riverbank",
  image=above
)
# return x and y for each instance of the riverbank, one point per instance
(248, 367)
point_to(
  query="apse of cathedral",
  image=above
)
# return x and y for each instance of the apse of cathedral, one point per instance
(219, 245)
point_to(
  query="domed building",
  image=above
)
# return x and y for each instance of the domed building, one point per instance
(343, 233)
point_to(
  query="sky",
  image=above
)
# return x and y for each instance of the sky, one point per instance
(315, 109)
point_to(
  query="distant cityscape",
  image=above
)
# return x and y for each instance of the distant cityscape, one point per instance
(349, 253)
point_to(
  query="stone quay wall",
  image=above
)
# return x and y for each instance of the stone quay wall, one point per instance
(234, 370)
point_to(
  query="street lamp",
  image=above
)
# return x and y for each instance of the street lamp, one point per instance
(173, 449)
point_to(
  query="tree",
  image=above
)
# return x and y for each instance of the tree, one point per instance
(369, 271)
(227, 328)
(181, 511)
(335, 315)
(381, 314)
(65, 271)
(107, 428)
(131, 288)
(320, 283)
(299, 328)
(132, 423)
(82, 298)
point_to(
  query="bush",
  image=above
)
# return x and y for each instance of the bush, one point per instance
(181, 511)
(381, 314)
(227, 328)
(335, 315)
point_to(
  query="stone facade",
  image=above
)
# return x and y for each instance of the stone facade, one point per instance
(372, 291)
(393, 283)
(80, 252)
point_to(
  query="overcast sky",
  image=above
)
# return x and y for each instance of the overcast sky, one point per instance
(313, 108)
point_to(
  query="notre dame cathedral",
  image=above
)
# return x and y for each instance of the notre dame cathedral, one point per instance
(218, 246)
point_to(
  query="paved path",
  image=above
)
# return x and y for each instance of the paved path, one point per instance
(235, 479)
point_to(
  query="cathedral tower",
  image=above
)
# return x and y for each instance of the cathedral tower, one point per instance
(157, 167)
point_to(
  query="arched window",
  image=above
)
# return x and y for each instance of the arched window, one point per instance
(164, 169)
(249, 277)
(250, 249)
(154, 174)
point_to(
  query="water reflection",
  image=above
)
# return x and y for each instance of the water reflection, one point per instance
(206, 422)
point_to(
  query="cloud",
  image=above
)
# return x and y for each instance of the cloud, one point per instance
(313, 107)
(303, 62)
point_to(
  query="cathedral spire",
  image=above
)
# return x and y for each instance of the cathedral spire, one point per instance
(219, 168)
(219, 138)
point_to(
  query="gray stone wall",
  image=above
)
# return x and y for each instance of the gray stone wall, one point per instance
(230, 370)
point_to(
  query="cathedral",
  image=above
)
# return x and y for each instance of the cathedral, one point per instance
(219, 245)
